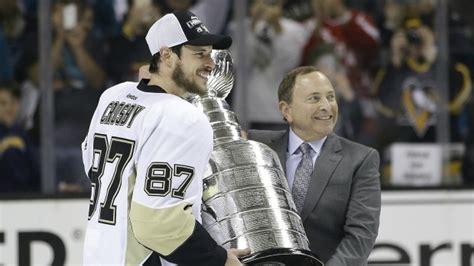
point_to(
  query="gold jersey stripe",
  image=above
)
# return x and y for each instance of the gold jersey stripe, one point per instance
(162, 230)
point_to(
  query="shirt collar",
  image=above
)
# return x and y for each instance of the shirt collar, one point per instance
(294, 143)
(143, 86)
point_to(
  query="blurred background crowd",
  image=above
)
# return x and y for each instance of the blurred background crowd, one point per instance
(402, 70)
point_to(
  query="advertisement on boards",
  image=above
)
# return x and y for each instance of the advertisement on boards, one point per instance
(418, 228)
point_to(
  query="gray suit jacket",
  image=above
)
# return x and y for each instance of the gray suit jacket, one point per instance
(342, 207)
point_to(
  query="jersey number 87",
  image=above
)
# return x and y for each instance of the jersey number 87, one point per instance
(157, 182)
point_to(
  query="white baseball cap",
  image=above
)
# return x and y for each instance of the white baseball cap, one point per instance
(182, 27)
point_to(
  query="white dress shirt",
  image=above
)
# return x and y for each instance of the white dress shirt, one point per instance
(294, 155)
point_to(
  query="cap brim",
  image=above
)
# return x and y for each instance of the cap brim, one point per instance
(217, 41)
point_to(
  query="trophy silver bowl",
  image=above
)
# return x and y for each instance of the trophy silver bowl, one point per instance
(246, 199)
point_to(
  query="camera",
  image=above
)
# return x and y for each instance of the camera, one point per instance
(69, 16)
(413, 37)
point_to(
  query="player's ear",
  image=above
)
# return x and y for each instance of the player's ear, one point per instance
(166, 56)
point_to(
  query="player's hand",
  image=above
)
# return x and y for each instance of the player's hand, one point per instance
(233, 256)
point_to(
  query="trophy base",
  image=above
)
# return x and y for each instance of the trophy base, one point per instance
(281, 257)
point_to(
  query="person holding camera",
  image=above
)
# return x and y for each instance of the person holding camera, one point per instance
(414, 44)
(274, 46)
(76, 51)
(78, 78)
(409, 92)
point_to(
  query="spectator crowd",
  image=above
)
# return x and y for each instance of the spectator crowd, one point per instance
(381, 56)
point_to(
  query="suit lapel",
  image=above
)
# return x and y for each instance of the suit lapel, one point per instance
(280, 145)
(325, 165)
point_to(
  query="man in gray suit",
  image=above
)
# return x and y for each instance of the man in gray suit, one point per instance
(338, 194)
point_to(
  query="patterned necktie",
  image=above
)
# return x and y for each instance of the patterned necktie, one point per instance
(303, 174)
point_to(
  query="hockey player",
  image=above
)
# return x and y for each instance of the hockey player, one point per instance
(145, 154)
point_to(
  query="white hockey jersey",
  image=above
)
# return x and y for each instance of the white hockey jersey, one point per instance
(145, 154)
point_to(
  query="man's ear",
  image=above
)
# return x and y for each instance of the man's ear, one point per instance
(285, 110)
(166, 56)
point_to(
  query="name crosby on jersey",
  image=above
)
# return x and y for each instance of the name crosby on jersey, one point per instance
(119, 113)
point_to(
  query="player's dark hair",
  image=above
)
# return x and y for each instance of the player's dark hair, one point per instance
(155, 59)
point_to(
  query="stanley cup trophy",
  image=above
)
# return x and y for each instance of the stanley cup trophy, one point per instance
(247, 203)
